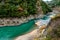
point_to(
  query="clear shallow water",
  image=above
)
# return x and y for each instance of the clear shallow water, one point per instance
(10, 32)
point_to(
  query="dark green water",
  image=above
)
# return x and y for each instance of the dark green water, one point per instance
(10, 32)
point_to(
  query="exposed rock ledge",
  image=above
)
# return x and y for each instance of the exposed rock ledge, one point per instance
(17, 21)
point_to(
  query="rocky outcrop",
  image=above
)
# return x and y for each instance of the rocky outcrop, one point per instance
(53, 31)
(17, 21)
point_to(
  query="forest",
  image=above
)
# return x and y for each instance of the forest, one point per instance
(18, 8)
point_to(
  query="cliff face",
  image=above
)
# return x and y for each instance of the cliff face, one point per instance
(53, 31)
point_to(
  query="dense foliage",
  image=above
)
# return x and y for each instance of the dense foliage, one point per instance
(54, 3)
(17, 8)
(45, 7)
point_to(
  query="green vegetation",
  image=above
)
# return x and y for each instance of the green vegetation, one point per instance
(57, 31)
(45, 7)
(18, 8)
(54, 3)
(54, 35)
(48, 37)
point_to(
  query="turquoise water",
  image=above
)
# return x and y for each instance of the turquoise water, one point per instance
(10, 32)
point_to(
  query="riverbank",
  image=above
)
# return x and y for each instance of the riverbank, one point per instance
(11, 32)
(29, 36)
(17, 21)
(15, 31)
(34, 33)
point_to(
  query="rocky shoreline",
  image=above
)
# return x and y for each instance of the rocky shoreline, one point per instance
(17, 21)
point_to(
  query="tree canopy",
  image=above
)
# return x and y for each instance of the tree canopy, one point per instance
(18, 8)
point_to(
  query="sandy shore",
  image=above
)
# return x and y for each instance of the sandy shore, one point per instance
(34, 33)
(29, 36)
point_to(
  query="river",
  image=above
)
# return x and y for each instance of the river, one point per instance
(10, 32)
